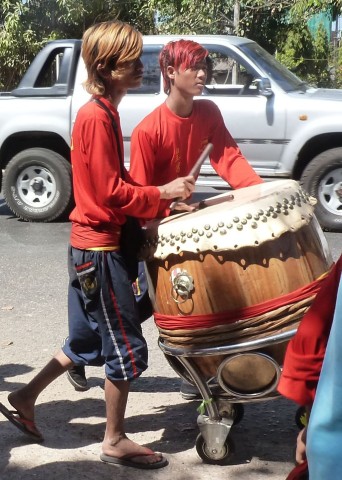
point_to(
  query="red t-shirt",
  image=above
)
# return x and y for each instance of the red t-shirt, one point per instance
(306, 350)
(165, 146)
(102, 197)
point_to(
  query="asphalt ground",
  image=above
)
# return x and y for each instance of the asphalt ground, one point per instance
(33, 321)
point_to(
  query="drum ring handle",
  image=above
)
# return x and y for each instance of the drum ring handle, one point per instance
(182, 286)
(174, 296)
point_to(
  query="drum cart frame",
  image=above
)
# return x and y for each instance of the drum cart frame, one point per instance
(213, 443)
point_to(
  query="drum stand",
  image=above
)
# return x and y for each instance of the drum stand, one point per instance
(213, 443)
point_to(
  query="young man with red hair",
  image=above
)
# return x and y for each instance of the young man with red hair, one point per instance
(167, 142)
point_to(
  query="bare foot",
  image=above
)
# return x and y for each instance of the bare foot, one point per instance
(125, 448)
(25, 409)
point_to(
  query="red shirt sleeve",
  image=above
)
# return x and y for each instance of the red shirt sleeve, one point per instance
(101, 194)
(305, 352)
(103, 197)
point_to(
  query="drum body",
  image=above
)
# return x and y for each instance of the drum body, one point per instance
(246, 249)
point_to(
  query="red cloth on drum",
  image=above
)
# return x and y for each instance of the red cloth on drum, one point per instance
(306, 350)
(192, 322)
(165, 146)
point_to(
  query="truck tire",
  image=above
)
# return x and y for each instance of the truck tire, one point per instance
(322, 178)
(37, 185)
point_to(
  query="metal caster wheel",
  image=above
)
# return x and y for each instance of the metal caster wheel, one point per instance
(222, 457)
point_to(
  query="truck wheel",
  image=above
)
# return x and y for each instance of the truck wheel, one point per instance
(37, 185)
(322, 178)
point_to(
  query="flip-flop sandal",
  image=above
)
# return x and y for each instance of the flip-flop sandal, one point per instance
(24, 425)
(130, 463)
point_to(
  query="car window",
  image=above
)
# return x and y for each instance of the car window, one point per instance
(151, 82)
(229, 75)
(274, 70)
(51, 72)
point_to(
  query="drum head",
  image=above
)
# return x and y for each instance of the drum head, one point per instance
(248, 374)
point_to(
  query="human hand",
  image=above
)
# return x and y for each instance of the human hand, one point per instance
(180, 188)
(184, 207)
(301, 446)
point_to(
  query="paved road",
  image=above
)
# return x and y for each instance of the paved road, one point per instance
(33, 324)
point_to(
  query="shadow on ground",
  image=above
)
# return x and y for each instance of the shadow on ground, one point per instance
(66, 426)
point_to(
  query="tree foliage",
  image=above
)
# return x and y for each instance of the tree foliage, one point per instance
(26, 25)
(192, 16)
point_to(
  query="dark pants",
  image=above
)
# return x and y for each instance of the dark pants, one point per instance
(104, 327)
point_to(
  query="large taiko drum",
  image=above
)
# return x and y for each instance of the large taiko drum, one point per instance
(244, 267)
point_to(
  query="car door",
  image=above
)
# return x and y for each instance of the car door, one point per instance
(256, 121)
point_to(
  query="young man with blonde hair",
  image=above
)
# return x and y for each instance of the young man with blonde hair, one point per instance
(103, 324)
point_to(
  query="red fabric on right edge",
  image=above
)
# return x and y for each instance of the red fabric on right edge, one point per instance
(305, 352)
(300, 472)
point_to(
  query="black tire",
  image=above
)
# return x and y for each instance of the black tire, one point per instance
(322, 179)
(238, 412)
(215, 458)
(37, 185)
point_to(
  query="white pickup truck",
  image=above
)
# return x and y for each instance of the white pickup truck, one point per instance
(284, 127)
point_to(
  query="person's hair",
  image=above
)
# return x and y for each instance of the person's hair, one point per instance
(110, 44)
(181, 54)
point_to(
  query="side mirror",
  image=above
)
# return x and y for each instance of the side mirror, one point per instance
(264, 86)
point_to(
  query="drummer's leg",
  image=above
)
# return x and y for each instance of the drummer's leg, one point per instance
(189, 391)
(83, 328)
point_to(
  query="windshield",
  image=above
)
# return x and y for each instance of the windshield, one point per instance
(274, 70)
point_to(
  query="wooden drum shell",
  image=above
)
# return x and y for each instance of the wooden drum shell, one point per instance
(231, 280)
(242, 275)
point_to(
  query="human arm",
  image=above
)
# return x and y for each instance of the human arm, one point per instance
(103, 194)
(181, 187)
(306, 350)
(106, 188)
(302, 437)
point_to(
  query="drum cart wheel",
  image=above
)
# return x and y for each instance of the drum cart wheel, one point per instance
(213, 456)
(225, 408)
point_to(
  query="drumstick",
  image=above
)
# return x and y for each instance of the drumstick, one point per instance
(213, 201)
(196, 168)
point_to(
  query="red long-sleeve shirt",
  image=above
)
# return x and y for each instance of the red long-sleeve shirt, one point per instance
(102, 197)
(306, 350)
(165, 146)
